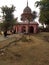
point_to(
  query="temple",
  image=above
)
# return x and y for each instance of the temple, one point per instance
(27, 25)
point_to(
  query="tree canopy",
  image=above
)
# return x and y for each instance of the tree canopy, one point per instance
(44, 11)
(8, 17)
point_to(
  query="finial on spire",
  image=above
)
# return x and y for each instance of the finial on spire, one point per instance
(27, 2)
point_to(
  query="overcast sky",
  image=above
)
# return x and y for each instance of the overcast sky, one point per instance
(20, 5)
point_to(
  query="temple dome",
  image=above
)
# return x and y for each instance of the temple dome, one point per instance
(27, 13)
(27, 10)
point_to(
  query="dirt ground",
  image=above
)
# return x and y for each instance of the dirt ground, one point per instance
(33, 50)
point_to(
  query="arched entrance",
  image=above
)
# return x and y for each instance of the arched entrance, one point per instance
(23, 29)
(31, 29)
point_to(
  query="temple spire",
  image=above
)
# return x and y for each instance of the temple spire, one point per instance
(27, 3)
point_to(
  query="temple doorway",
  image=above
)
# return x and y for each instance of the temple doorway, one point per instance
(23, 29)
(31, 29)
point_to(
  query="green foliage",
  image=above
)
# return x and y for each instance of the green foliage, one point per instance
(8, 17)
(44, 11)
(34, 14)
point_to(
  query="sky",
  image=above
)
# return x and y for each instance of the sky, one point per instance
(20, 5)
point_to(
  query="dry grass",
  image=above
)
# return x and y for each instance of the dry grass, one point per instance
(35, 52)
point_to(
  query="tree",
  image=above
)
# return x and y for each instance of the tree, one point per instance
(44, 11)
(8, 17)
(34, 15)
